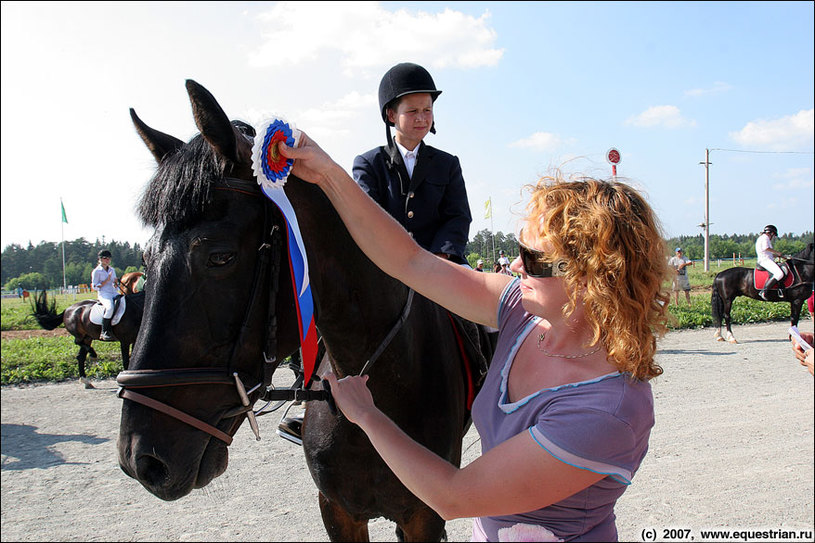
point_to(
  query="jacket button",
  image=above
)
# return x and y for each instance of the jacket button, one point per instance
(410, 215)
(411, 194)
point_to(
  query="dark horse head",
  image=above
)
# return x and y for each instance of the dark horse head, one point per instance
(204, 319)
(213, 307)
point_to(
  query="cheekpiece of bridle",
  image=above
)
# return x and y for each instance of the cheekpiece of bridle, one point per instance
(266, 269)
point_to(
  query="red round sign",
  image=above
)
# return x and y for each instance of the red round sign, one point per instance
(613, 156)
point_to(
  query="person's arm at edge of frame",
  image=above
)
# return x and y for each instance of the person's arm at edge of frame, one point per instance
(467, 293)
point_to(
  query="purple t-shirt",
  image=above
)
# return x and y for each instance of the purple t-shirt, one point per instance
(601, 425)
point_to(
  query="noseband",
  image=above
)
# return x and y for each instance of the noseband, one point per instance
(227, 376)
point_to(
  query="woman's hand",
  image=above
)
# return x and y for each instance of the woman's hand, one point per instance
(352, 396)
(311, 163)
(805, 358)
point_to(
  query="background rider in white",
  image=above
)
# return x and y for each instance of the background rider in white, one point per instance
(104, 282)
(765, 255)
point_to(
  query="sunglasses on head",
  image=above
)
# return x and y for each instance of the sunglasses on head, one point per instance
(535, 265)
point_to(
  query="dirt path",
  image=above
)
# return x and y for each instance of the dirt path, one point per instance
(27, 334)
(732, 449)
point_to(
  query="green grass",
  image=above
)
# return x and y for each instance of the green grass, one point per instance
(48, 358)
(54, 359)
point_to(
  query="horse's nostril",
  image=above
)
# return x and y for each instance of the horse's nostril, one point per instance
(151, 471)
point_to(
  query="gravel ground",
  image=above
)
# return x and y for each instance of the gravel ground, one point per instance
(732, 449)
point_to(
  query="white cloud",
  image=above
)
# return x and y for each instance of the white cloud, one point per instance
(664, 116)
(717, 88)
(790, 133)
(541, 141)
(795, 180)
(364, 35)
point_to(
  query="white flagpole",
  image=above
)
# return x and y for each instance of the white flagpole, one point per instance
(492, 232)
(62, 231)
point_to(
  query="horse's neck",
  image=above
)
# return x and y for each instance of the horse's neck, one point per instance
(354, 299)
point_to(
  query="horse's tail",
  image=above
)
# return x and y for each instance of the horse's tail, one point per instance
(716, 304)
(46, 314)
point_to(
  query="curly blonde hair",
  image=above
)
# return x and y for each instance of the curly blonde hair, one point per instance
(612, 243)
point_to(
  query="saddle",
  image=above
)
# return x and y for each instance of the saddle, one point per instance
(476, 346)
(760, 277)
(98, 311)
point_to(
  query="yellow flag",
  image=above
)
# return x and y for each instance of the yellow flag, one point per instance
(488, 209)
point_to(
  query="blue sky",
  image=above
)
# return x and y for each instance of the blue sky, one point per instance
(526, 87)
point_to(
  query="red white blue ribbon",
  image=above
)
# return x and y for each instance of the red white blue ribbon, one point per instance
(272, 170)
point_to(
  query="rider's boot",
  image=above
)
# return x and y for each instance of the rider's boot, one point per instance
(771, 282)
(107, 331)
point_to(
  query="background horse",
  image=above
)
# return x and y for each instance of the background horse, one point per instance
(76, 319)
(733, 282)
(418, 379)
(127, 284)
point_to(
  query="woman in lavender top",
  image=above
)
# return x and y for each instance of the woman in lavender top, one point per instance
(566, 410)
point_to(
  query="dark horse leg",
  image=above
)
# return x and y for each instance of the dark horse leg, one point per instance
(424, 525)
(728, 305)
(795, 310)
(339, 524)
(84, 349)
(125, 354)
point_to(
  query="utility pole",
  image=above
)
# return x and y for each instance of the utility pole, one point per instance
(707, 164)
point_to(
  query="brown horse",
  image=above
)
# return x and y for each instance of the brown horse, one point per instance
(128, 283)
(77, 321)
(204, 330)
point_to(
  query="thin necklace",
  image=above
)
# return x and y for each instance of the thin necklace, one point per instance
(542, 336)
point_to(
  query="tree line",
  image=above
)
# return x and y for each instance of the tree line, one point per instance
(725, 246)
(40, 266)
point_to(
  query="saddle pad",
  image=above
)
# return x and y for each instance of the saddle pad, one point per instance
(98, 312)
(760, 278)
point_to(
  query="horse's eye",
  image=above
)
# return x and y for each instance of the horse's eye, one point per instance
(220, 259)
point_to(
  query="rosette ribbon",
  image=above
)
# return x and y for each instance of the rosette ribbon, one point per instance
(272, 169)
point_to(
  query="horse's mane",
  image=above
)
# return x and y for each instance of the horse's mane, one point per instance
(179, 192)
(808, 253)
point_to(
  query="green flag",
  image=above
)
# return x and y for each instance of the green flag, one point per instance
(64, 218)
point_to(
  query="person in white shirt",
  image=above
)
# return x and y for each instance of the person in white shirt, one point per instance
(104, 281)
(765, 255)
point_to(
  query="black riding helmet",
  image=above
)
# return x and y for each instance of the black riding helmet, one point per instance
(771, 229)
(104, 253)
(402, 79)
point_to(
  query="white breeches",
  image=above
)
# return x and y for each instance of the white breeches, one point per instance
(107, 303)
(772, 267)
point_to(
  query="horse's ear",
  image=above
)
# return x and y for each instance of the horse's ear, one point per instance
(159, 143)
(215, 126)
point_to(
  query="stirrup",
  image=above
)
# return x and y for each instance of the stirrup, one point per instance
(291, 429)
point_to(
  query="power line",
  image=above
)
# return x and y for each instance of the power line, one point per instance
(764, 152)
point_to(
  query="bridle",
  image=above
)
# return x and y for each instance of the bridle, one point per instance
(228, 376)
(266, 269)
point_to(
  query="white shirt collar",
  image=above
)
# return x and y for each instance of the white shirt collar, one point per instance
(410, 164)
(404, 150)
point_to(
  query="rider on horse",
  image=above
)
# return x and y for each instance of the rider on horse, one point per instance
(765, 255)
(103, 280)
